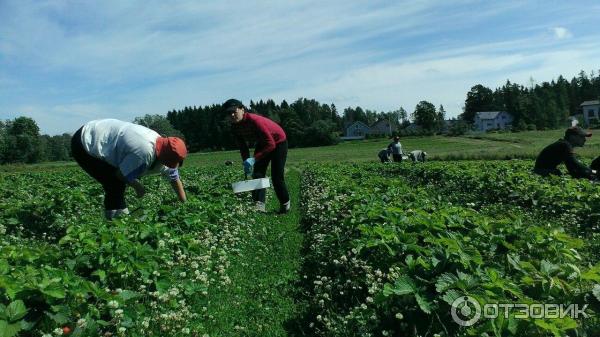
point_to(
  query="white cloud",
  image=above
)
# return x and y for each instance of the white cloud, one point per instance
(76, 61)
(561, 33)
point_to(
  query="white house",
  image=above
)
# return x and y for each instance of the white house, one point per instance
(382, 127)
(591, 111)
(488, 120)
(357, 129)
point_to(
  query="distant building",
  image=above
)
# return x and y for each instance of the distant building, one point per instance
(383, 127)
(357, 129)
(591, 111)
(489, 120)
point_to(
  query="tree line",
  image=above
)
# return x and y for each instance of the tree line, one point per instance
(308, 122)
(305, 121)
(537, 106)
(21, 142)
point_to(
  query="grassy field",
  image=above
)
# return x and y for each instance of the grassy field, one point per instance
(485, 146)
(493, 146)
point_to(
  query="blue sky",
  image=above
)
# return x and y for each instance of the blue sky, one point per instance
(66, 62)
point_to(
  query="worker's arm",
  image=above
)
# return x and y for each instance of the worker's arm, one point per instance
(178, 188)
(576, 168)
(172, 174)
(135, 184)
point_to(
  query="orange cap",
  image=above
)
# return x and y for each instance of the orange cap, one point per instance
(170, 150)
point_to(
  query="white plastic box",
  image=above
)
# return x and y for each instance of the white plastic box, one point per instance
(250, 185)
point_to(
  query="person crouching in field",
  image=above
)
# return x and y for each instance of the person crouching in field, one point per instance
(561, 151)
(596, 164)
(270, 146)
(417, 156)
(384, 155)
(396, 149)
(117, 153)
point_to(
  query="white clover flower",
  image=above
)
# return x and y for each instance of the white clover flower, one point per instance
(122, 329)
(369, 299)
(113, 304)
(119, 312)
(185, 331)
(363, 306)
(58, 331)
(399, 315)
(81, 322)
(46, 335)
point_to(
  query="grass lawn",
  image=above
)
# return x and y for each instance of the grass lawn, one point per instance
(478, 146)
(485, 146)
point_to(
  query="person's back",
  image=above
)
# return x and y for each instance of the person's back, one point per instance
(113, 140)
(384, 155)
(596, 164)
(395, 148)
(417, 156)
(560, 152)
(551, 156)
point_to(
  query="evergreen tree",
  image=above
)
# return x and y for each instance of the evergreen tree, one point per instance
(440, 119)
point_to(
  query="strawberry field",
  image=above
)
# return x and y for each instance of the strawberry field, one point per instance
(391, 247)
(166, 270)
(369, 250)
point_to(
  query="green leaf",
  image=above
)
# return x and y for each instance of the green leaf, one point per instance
(54, 290)
(513, 324)
(403, 285)
(4, 267)
(15, 311)
(59, 318)
(101, 274)
(26, 325)
(423, 303)
(451, 295)
(593, 274)
(547, 267)
(548, 327)
(70, 264)
(128, 294)
(9, 330)
(445, 282)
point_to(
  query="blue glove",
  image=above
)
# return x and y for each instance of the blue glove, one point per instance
(248, 165)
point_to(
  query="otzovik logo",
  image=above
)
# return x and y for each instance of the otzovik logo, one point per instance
(465, 311)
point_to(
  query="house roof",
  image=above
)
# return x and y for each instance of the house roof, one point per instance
(381, 121)
(359, 123)
(596, 102)
(488, 114)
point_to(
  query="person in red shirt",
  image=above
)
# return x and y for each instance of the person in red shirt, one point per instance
(270, 146)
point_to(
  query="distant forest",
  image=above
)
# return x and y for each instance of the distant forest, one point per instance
(308, 122)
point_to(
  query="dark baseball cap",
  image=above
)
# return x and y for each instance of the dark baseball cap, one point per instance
(577, 131)
(232, 104)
